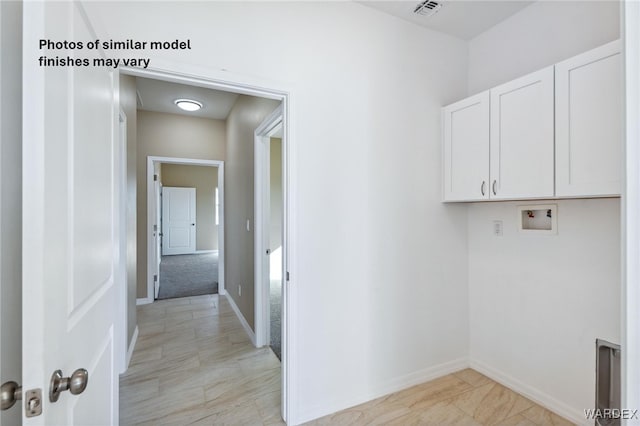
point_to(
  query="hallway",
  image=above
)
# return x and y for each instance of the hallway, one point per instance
(194, 364)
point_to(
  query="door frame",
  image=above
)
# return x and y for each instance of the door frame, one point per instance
(157, 234)
(152, 162)
(262, 156)
(122, 319)
(252, 85)
(630, 229)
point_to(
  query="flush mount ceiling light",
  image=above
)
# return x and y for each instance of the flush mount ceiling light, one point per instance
(188, 104)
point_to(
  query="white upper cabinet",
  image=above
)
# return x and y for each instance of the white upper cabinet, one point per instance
(466, 149)
(589, 123)
(522, 129)
(555, 133)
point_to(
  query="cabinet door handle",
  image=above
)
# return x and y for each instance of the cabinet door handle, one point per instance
(482, 188)
(494, 187)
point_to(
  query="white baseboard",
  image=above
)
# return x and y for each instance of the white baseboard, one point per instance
(242, 319)
(132, 345)
(144, 301)
(539, 397)
(222, 291)
(205, 251)
(394, 385)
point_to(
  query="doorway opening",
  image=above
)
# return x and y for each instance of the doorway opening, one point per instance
(187, 232)
(156, 242)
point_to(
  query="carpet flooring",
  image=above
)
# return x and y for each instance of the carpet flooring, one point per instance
(186, 275)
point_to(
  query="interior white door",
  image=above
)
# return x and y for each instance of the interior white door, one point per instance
(522, 151)
(178, 220)
(72, 266)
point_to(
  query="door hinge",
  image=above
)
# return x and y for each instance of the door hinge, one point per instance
(155, 278)
(287, 275)
(155, 177)
(33, 402)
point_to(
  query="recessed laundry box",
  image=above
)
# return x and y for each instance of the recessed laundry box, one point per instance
(541, 219)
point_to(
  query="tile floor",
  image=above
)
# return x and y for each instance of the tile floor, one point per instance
(463, 398)
(194, 365)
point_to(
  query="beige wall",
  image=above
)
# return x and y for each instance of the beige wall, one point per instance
(275, 193)
(245, 116)
(128, 102)
(170, 135)
(205, 180)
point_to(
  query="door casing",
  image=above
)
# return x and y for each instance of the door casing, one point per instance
(630, 228)
(152, 257)
(220, 79)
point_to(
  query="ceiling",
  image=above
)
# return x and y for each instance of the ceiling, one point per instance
(158, 96)
(464, 19)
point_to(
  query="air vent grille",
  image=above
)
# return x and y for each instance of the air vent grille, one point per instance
(427, 8)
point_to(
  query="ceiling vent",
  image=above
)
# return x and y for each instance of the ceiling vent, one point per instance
(427, 8)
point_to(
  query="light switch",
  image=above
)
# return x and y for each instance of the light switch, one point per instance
(248, 225)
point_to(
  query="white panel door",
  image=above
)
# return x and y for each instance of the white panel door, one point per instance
(466, 149)
(589, 123)
(178, 220)
(522, 150)
(72, 264)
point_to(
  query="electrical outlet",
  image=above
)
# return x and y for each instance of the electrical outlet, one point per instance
(240, 290)
(497, 228)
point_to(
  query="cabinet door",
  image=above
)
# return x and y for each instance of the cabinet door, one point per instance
(466, 149)
(589, 123)
(522, 137)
